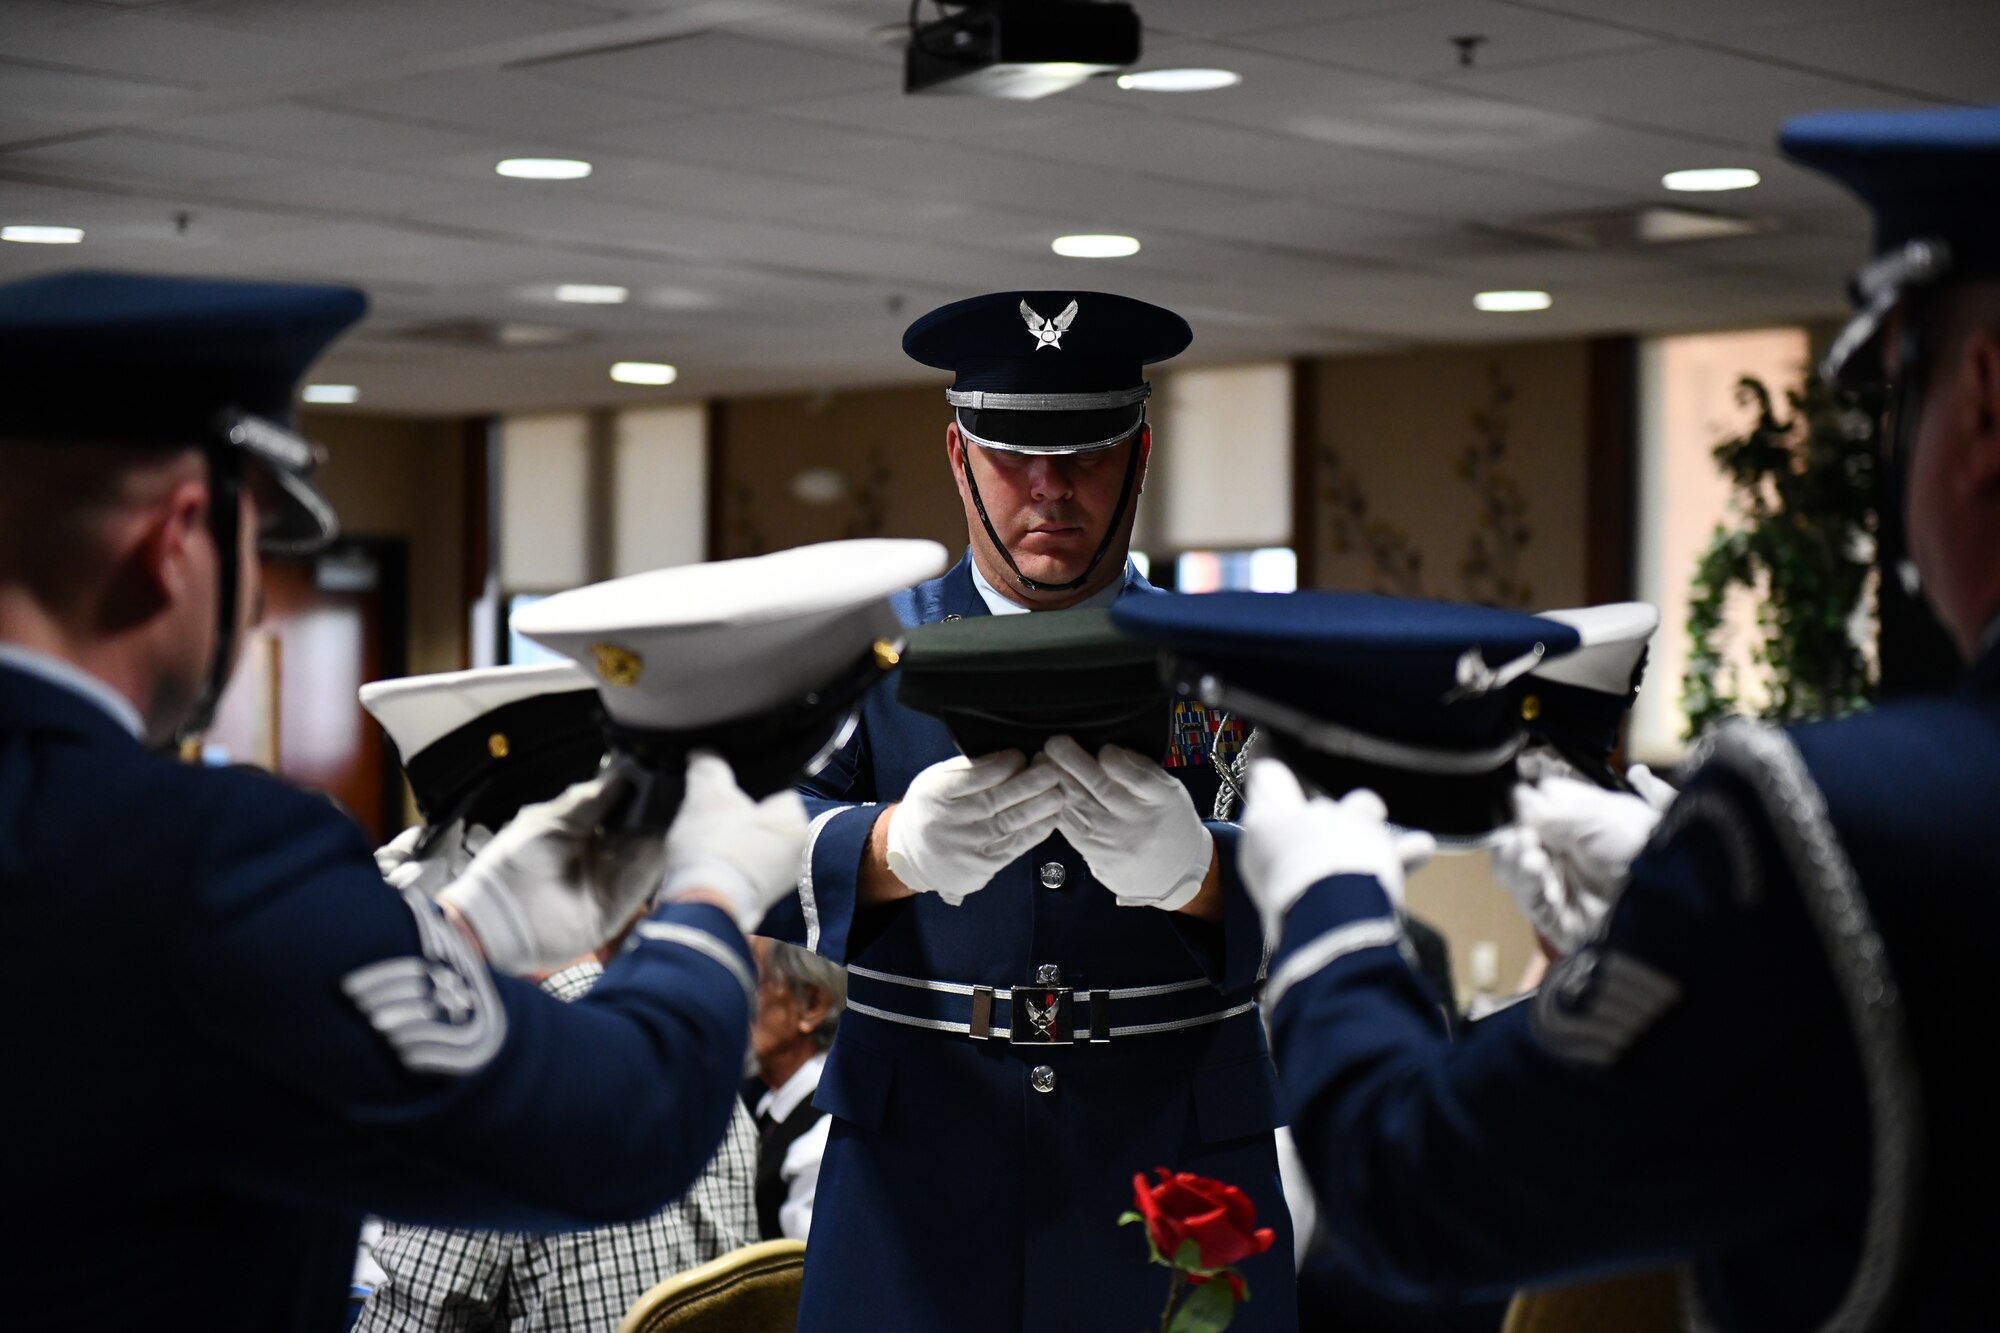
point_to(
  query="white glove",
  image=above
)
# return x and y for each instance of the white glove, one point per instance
(1132, 822)
(1566, 918)
(963, 819)
(550, 886)
(394, 857)
(1656, 792)
(1566, 863)
(747, 851)
(1291, 843)
(446, 860)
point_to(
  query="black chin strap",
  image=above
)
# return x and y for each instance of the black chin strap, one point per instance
(225, 508)
(1110, 533)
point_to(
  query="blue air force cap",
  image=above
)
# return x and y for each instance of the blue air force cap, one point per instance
(1932, 180)
(1051, 372)
(132, 358)
(1417, 700)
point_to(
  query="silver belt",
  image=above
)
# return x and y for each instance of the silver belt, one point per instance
(1044, 1013)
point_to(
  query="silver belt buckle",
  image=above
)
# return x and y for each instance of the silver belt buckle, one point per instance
(1042, 1016)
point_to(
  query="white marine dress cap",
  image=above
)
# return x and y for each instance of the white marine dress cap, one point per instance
(762, 659)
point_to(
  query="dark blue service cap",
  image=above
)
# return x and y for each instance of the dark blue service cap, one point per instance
(1048, 371)
(136, 359)
(1415, 699)
(1932, 180)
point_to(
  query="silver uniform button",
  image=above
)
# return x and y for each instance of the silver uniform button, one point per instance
(1043, 1078)
(1053, 874)
(1048, 974)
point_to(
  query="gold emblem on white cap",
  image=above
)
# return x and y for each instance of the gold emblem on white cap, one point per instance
(617, 665)
(496, 745)
(886, 654)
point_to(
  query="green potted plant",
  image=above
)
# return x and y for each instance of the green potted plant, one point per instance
(1802, 544)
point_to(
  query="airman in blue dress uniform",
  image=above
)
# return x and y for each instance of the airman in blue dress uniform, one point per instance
(227, 1038)
(972, 1178)
(1766, 1066)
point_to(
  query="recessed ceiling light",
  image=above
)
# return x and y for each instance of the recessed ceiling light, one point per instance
(1511, 302)
(1179, 80)
(586, 293)
(30, 235)
(1094, 247)
(644, 372)
(331, 393)
(543, 168)
(1705, 179)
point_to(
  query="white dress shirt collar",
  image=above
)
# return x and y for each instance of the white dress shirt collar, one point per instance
(1002, 605)
(784, 1099)
(69, 676)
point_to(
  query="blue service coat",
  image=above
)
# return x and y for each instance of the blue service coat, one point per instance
(1763, 1068)
(955, 1197)
(227, 1040)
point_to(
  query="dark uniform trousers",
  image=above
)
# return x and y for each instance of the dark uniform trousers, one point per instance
(954, 1194)
(227, 1040)
(1768, 1067)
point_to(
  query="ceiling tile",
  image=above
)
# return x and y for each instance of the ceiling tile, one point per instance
(361, 190)
(1682, 90)
(496, 101)
(1946, 52)
(1206, 18)
(121, 156)
(296, 130)
(57, 98)
(1719, 20)
(715, 69)
(386, 25)
(169, 47)
(1418, 43)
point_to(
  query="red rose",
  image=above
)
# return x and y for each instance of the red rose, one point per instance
(1219, 1218)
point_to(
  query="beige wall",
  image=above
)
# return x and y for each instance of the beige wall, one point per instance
(1405, 465)
(397, 477)
(1420, 453)
(884, 449)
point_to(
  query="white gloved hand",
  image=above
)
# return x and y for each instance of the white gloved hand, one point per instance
(1132, 822)
(551, 886)
(1566, 863)
(395, 857)
(721, 840)
(1563, 916)
(446, 860)
(1655, 791)
(963, 819)
(1291, 843)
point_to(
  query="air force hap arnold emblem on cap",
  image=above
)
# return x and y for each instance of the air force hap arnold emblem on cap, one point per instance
(1048, 332)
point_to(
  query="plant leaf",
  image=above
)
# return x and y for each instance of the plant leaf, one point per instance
(1207, 1309)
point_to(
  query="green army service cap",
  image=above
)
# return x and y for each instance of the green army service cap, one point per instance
(1012, 682)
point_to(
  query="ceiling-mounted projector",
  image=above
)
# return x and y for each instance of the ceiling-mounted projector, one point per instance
(1019, 49)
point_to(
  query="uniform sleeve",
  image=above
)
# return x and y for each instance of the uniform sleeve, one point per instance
(1677, 1085)
(406, 1079)
(841, 803)
(1242, 927)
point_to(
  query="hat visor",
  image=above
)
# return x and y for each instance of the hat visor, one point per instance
(1050, 432)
